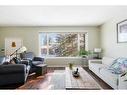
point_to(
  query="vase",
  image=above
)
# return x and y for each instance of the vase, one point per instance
(70, 66)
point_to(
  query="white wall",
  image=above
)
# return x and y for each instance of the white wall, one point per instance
(31, 38)
(109, 38)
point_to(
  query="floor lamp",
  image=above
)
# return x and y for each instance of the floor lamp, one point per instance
(22, 51)
(19, 50)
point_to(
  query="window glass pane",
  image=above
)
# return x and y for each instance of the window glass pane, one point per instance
(54, 38)
(43, 39)
(61, 44)
(69, 45)
(43, 43)
(82, 41)
(43, 51)
(54, 50)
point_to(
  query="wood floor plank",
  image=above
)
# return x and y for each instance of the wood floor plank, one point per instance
(46, 83)
(68, 79)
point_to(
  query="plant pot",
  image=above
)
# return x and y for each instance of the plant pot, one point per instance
(71, 66)
(84, 56)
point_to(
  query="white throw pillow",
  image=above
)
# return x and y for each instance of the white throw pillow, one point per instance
(107, 61)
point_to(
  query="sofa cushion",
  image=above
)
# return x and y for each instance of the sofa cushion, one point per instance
(96, 67)
(36, 62)
(119, 66)
(38, 59)
(123, 81)
(29, 55)
(109, 77)
(12, 68)
(107, 60)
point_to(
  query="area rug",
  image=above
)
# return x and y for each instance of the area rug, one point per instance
(53, 80)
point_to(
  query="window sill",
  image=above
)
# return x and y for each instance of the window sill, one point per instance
(63, 57)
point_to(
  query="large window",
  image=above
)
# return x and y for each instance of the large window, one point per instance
(61, 44)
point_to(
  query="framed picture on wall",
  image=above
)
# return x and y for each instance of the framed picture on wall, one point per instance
(12, 44)
(122, 31)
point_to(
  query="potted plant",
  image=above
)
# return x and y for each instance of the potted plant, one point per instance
(83, 53)
(71, 66)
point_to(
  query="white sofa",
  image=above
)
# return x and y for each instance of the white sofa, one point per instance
(100, 68)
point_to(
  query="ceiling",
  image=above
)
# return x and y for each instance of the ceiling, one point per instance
(58, 15)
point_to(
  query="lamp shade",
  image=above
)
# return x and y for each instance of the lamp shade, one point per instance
(22, 49)
(97, 50)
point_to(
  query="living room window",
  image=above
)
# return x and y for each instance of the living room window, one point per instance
(61, 44)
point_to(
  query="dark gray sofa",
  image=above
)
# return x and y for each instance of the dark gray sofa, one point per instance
(13, 73)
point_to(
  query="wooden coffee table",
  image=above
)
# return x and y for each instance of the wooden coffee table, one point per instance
(85, 81)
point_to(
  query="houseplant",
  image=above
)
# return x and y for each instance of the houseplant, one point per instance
(83, 53)
(71, 66)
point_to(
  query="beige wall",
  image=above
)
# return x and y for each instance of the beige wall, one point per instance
(29, 36)
(64, 61)
(109, 38)
(31, 39)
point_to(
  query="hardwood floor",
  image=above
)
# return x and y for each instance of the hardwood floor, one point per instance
(53, 80)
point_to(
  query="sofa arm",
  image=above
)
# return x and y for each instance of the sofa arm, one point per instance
(26, 62)
(12, 68)
(38, 59)
(122, 81)
(27, 59)
(99, 61)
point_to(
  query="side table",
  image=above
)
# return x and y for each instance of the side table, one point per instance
(41, 69)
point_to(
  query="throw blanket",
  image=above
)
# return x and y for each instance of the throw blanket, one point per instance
(119, 66)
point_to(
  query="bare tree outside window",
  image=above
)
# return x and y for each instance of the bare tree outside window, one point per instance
(61, 44)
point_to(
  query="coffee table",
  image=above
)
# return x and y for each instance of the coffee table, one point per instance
(83, 82)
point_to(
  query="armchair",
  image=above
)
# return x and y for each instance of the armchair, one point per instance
(35, 62)
(13, 73)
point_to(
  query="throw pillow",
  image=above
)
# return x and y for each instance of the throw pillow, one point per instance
(15, 60)
(6, 63)
(12, 62)
(119, 66)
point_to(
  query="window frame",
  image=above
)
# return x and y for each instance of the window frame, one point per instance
(78, 41)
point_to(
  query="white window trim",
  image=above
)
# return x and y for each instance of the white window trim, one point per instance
(59, 33)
